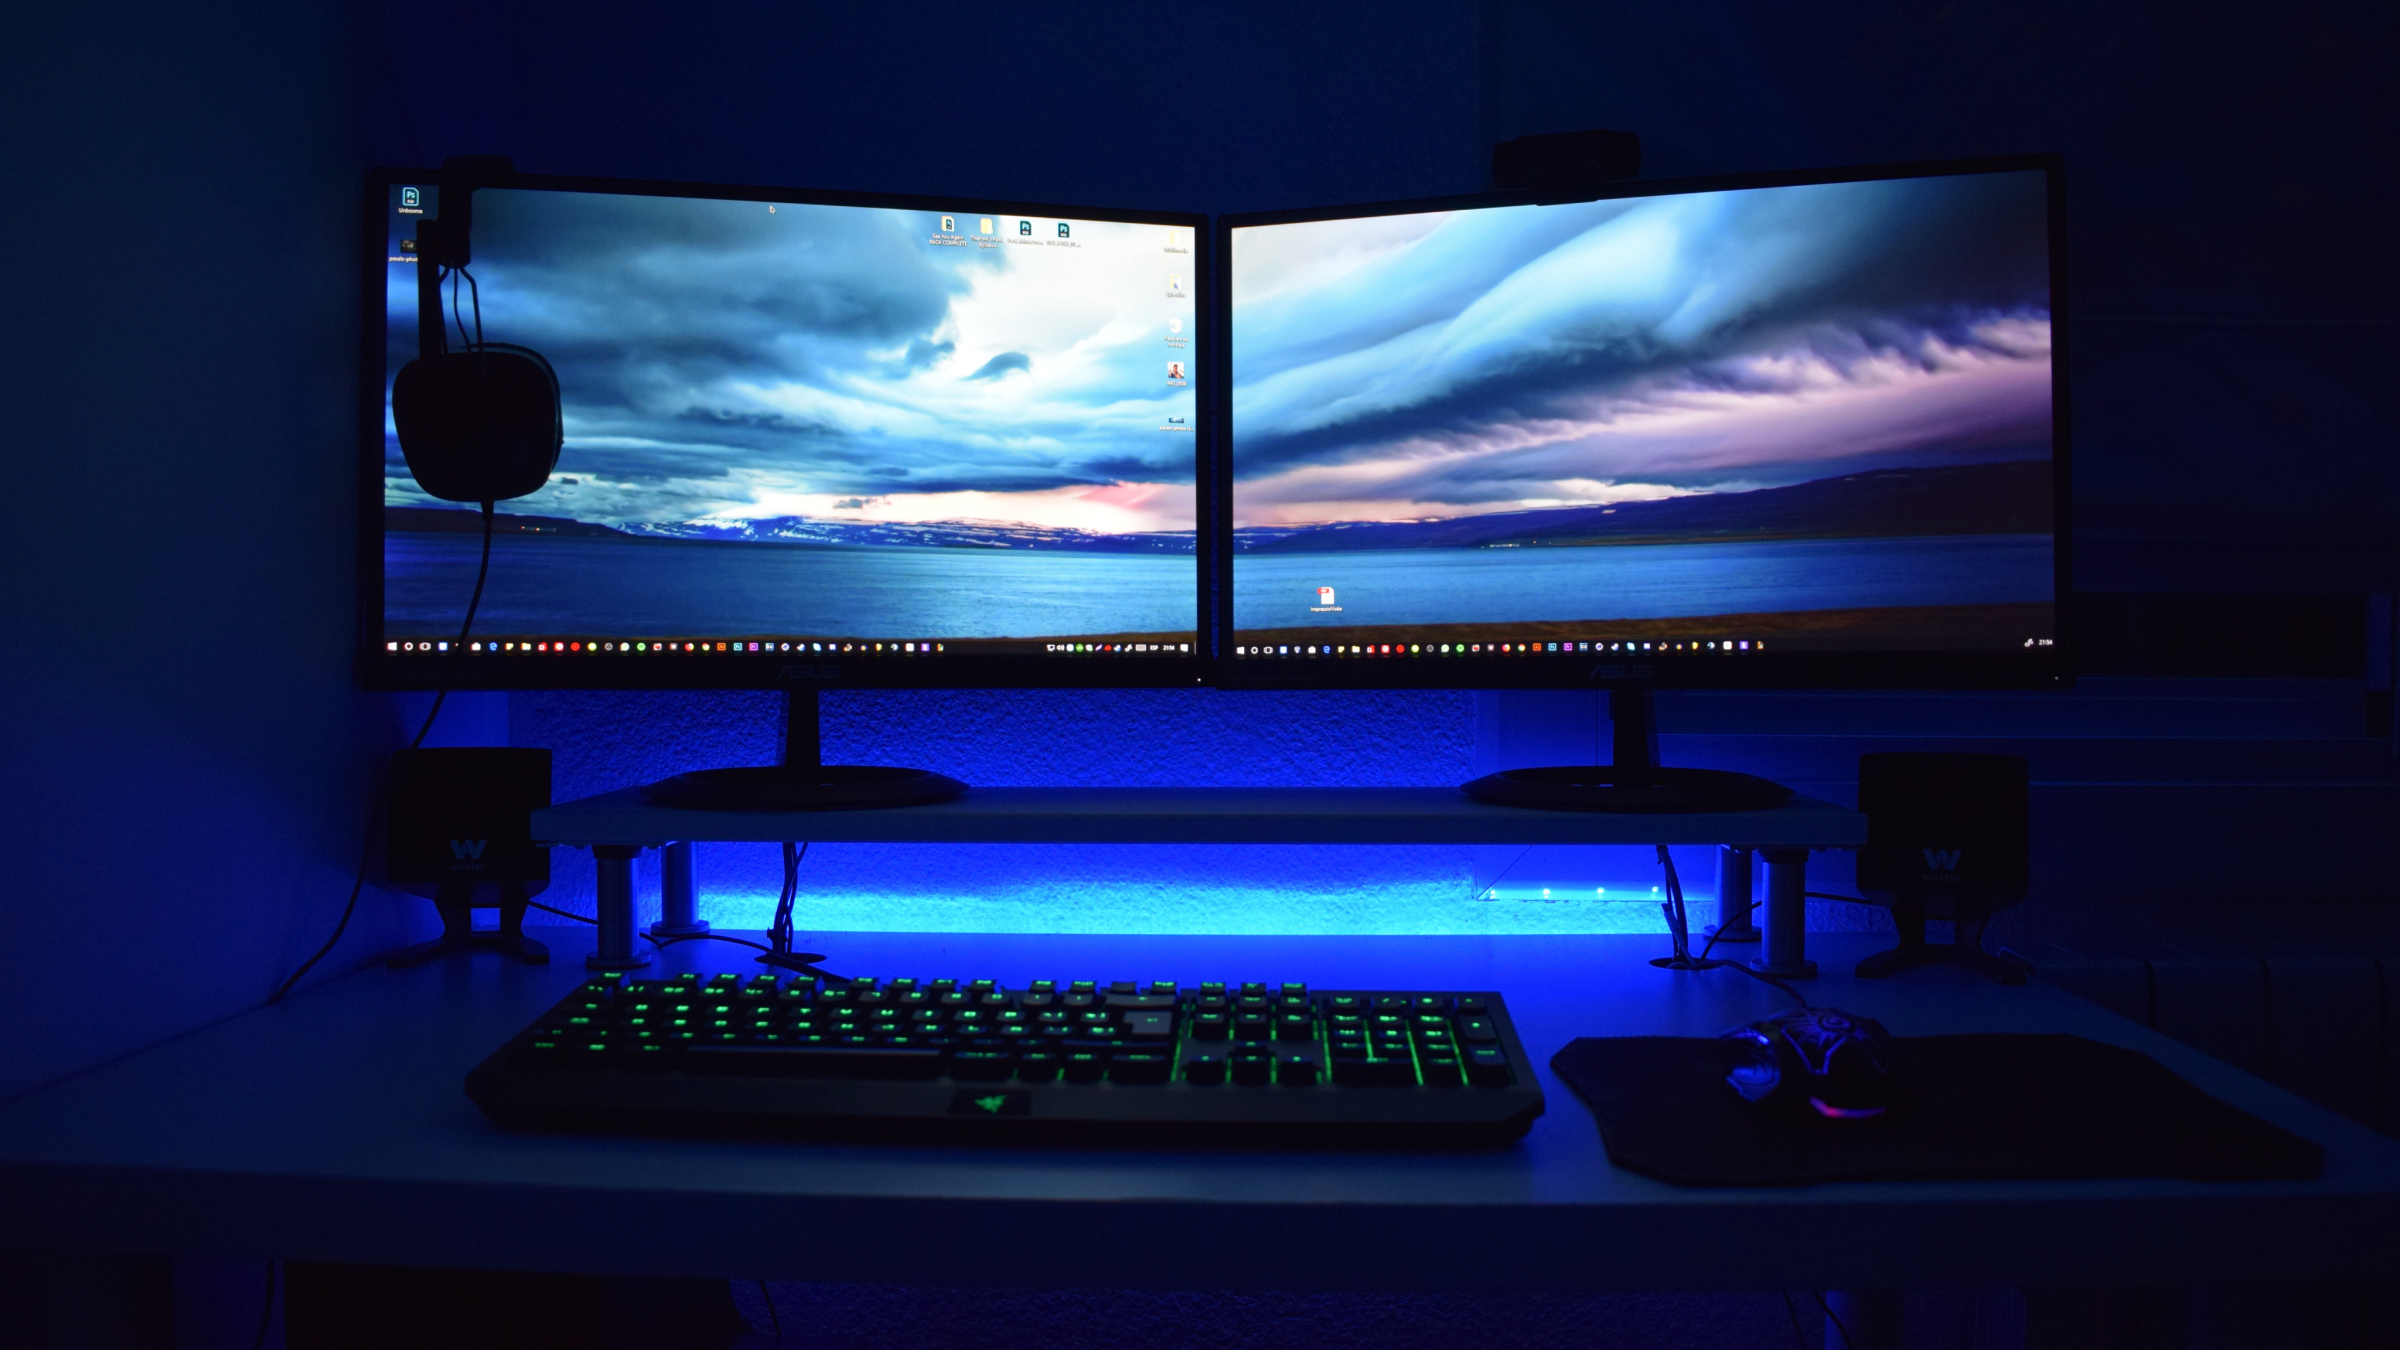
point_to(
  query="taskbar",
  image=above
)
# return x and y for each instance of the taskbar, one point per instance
(1107, 645)
(1289, 651)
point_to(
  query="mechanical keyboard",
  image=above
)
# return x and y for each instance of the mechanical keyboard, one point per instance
(1235, 1062)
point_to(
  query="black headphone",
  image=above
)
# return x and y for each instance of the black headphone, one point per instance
(482, 424)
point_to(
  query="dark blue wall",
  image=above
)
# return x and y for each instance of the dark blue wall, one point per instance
(188, 764)
(2230, 307)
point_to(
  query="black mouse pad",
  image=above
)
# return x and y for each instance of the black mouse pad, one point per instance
(1966, 1107)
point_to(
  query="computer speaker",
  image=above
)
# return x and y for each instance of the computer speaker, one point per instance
(464, 814)
(1946, 826)
(1949, 836)
(460, 832)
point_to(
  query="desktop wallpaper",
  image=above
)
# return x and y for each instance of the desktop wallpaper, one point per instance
(804, 420)
(1817, 416)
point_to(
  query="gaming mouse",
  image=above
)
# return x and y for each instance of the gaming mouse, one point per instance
(1834, 1063)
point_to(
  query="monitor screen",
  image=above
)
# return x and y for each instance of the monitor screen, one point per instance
(809, 439)
(1791, 429)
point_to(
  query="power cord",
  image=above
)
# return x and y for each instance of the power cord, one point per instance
(781, 933)
(780, 954)
(366, 848)
(474, 343)
(1678, 925)
(1792, 1310)
(266, 1312)
(670, 940)
(774, 1318)
(1829, 1316)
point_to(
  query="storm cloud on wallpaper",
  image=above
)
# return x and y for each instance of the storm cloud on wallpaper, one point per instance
(1771, 373)
(961, 386)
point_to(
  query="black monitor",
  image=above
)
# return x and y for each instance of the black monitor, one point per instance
(812, 440)
(1772, 430)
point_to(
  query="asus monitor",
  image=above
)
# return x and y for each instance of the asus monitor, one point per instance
(1776, 430)
(812, 440)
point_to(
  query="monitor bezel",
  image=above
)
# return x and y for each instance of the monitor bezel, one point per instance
(2050, 667)
(377, 668)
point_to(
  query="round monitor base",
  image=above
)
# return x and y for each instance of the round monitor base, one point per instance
(829, 787)
(1602, 787)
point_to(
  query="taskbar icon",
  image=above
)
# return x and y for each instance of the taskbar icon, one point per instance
(1724, 646)
(1118, 648)
(710, 646)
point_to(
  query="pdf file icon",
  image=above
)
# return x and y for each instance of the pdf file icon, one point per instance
(1325, 595)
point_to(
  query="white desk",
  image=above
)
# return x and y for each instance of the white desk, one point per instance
(332, 1128)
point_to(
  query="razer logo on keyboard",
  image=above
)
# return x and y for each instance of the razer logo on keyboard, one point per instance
(1005, 1102)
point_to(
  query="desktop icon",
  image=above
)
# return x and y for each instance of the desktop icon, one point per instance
(1024, 227)
(985, 224)
(949, 225)
(410, 198)
(1175, 325)
(1325, 595)
(1175, 370)
(1062, 229)
(1174, 285)
(1174, 238)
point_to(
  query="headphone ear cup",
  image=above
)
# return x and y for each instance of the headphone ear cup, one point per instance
(479, 426)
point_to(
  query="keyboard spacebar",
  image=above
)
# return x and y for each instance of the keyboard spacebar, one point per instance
(813, 1061)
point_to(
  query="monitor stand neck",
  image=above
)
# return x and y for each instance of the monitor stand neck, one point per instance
(803, 730)
(1633, 724)
(803, 781)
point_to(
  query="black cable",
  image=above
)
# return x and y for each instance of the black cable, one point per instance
(475, 343)
(1679, 919)
(808, 966)
(1792, 1311)
(366, 849)
(266, 1313)
(1714, 934)
(1846, 899)
(1837, 1322)
(1763, 978)
(781, 933)
(673, 938)
(458, 650)
(773, 1316)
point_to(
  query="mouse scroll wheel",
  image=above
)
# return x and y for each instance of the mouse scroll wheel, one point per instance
(1834, 1022)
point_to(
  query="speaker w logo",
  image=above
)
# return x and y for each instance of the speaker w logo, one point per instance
(1942, 859)
(472, 849)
